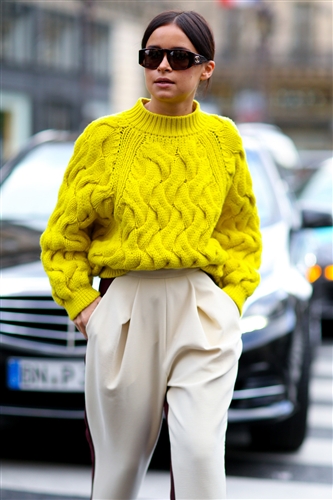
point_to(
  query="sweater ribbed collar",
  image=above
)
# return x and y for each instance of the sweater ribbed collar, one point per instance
(156, 124)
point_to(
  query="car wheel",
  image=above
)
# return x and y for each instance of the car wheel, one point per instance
(289, 434)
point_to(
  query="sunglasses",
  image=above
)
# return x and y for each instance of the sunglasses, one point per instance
(178, 59)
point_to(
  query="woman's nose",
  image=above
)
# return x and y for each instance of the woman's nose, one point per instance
(164, 65)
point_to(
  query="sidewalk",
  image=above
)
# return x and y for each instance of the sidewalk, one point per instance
(37, 481)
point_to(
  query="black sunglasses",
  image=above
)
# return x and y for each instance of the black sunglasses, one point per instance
(178, 58)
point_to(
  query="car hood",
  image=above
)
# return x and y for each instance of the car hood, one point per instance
(20, 242)
(28, 278)
(25, 278)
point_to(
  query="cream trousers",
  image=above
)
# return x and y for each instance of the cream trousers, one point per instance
(161, 334)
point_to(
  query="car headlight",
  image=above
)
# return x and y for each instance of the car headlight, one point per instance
(254, 322)
(313, 273)
(263, 310)
(328, 272)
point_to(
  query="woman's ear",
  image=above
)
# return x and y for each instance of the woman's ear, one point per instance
(208, 69)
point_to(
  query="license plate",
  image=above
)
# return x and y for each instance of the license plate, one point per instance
(35, 374)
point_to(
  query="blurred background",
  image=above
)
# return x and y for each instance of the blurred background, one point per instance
(67, 63)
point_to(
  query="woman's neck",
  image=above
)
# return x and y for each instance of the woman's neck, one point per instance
(169, 108)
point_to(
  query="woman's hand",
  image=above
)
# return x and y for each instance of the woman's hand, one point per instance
(82, 319)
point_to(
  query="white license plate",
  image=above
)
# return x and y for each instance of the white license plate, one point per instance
(36, 374)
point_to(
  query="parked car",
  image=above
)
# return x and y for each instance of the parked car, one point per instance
(42, 357)
(314, 248)
(281, 148)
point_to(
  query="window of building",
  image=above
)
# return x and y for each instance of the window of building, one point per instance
(233, 26)
(57, 116)
(97, 44)
(302, 31)
(16, 45)
(58, 41)
(34, 36)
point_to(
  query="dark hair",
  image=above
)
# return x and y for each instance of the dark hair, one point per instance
(192, 24)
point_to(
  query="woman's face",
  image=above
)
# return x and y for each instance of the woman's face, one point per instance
(171, 89)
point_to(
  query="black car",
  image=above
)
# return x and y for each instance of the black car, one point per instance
(42, 356)
(314, 248)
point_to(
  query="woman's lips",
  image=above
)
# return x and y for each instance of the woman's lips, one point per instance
(163, 82)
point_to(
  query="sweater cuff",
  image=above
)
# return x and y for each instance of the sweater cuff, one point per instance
(80, 300)
(237, 294)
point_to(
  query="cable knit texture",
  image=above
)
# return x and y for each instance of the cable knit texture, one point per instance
(144, 191)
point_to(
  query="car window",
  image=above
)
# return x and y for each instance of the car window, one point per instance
(320, 187)
(31, 191)
(282, 148)
(265, 195)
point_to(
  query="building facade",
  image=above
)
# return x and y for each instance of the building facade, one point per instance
(67, 63)
(274, 64)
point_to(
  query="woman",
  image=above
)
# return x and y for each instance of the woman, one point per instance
(160, 198)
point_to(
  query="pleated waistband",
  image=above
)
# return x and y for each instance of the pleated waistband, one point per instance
(162, 273)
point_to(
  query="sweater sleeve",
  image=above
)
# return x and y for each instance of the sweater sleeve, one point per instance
(238, 229)
(66, 240)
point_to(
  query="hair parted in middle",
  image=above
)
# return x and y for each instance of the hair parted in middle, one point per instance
(192, 24)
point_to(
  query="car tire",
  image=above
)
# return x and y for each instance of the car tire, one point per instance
(289, 434)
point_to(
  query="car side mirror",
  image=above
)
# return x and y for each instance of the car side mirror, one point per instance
(314, 218)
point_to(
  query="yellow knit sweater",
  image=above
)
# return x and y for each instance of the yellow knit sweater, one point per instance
(144, 191)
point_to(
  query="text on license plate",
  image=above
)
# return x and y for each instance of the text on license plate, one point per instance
(36, 374)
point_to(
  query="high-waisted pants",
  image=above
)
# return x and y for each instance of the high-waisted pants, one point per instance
(156, 335)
